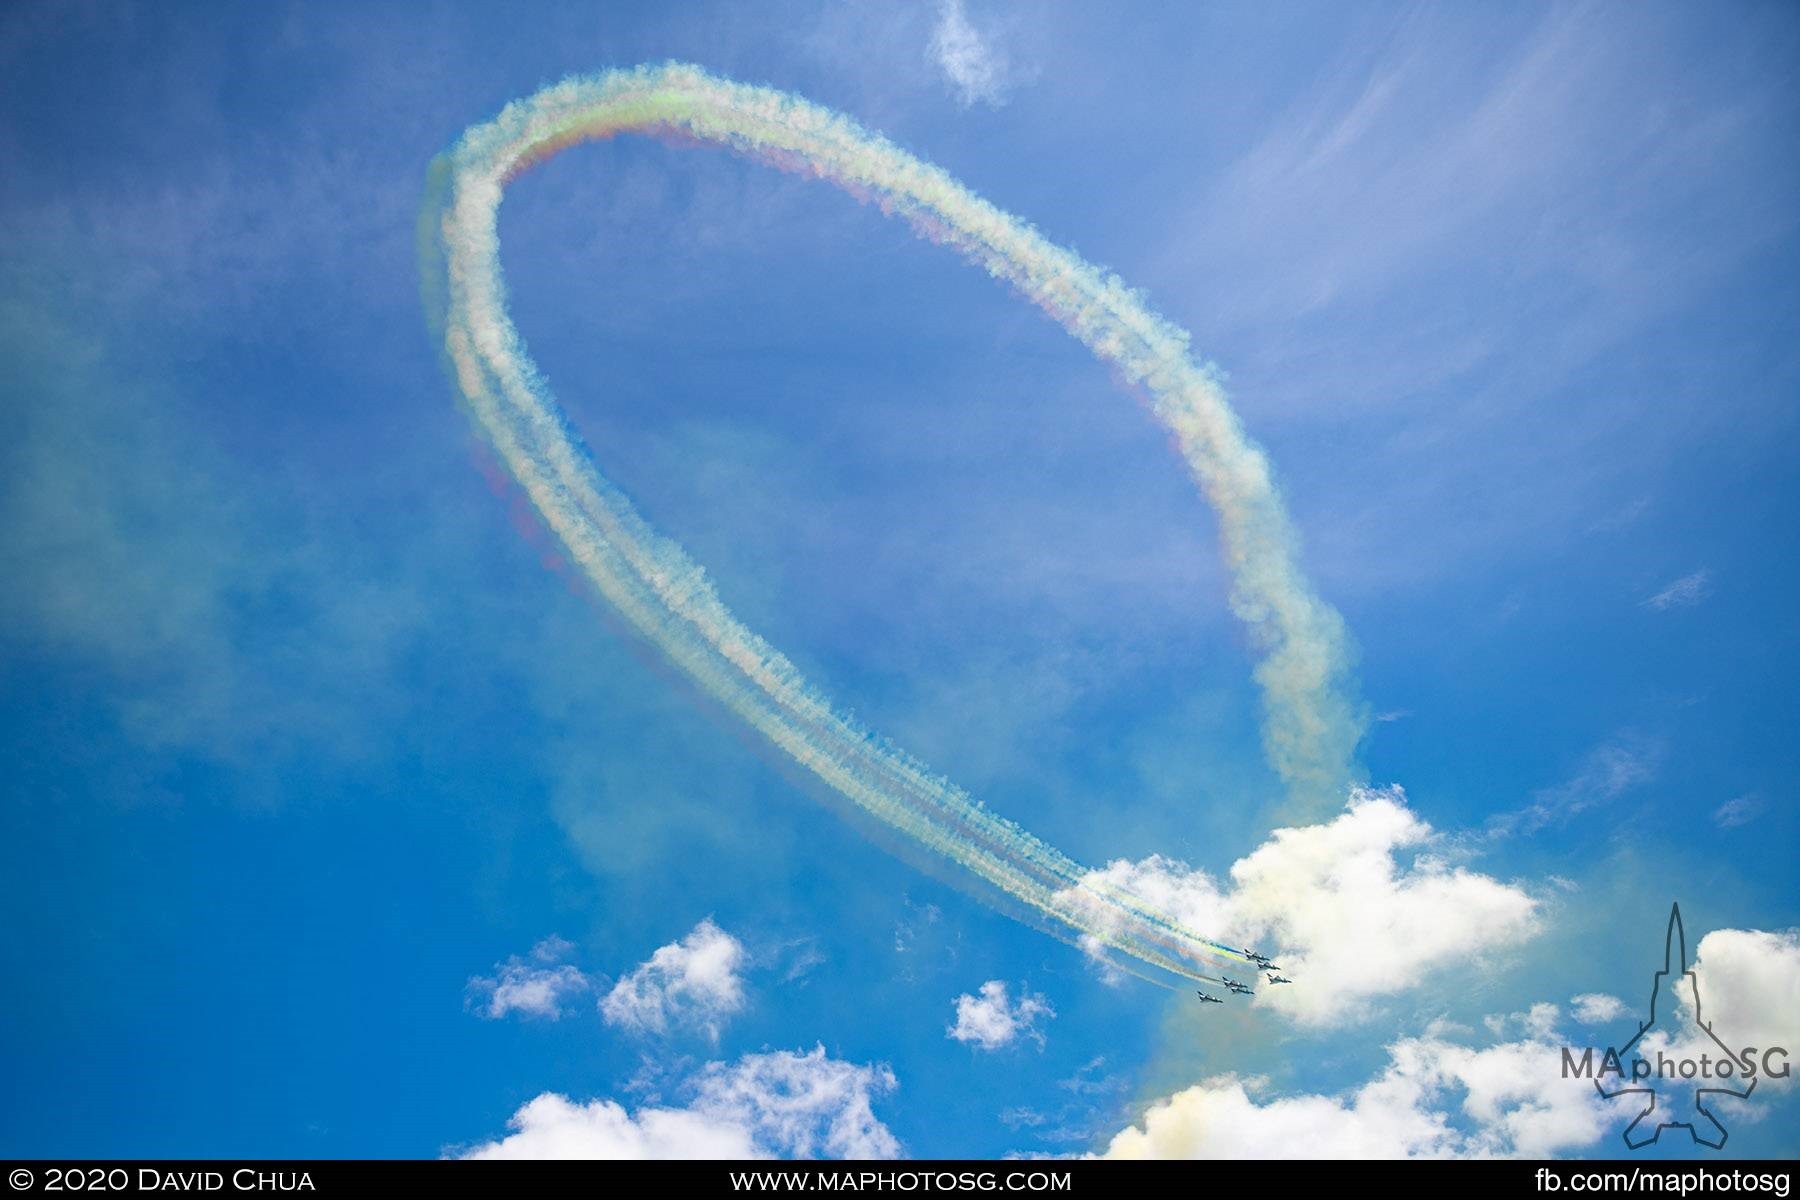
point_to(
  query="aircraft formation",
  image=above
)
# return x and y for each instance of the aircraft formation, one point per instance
(1269, 969)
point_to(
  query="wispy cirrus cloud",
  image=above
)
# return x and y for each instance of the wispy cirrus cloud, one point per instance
(1739, 810)
(1685, 592)
(1606, 773)
(1423, 139)
(1089, 1099)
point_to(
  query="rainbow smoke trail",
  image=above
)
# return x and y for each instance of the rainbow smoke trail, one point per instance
(1311, 728)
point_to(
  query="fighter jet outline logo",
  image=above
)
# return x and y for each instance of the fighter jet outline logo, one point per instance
(1704, 1123)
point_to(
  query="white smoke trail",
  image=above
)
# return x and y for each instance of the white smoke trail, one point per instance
(1311, 726)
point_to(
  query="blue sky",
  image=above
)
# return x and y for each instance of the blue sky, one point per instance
(307, 727)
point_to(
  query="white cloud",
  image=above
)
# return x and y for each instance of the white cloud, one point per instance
(1740, 810)
(783, 1104)
(1685, 592)
(1089, 1103)
(537, 986)
(1436, 1097)
(1596, 1008)
(991, 1020)
(1347, 917)
(1749, 982)
(927, 945)
(694, 983)
(1538, 1022)
(553, 1126)
(1439, 1097)
(798, 958)
(1608, 772)
(976, 68)
(804, 1105)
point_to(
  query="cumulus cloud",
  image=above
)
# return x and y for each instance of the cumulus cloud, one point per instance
(1749, 984)
(1685, 592)
(1436, 1097)
(804, 1105)
(977, 69)
(779, 1105)
(1539, 1021)
(992, 1020)
(553, 1126)
(695, 983)
(538, 985)
(1596, 1008)
(1354, 909)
